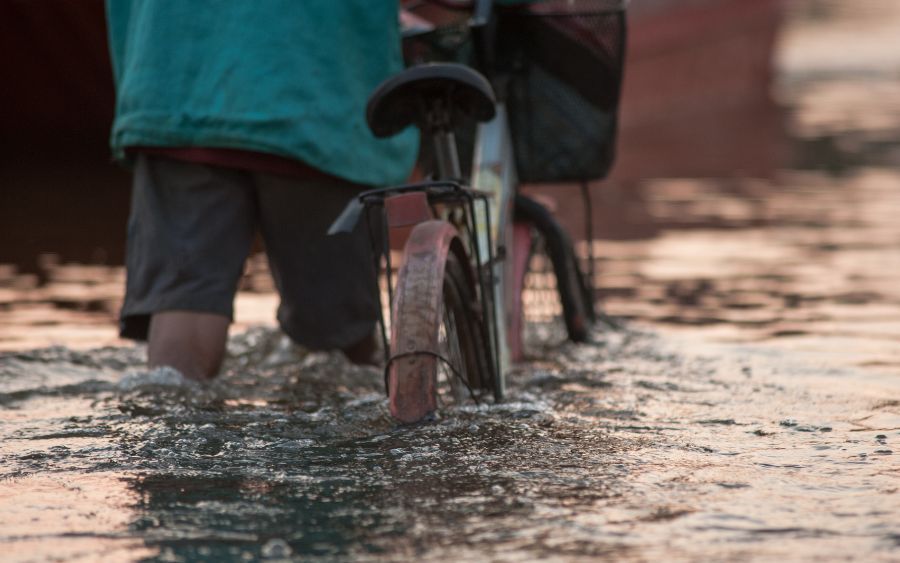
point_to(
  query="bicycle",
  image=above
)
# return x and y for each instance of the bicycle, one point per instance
(467, 236)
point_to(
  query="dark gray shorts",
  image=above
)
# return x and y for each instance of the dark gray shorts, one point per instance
(192, 227)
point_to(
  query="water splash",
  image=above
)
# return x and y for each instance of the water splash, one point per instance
(612, 449)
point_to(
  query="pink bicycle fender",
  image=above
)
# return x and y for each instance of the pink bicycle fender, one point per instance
(416, 319)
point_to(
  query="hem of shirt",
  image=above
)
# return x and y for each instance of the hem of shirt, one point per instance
(134, 131)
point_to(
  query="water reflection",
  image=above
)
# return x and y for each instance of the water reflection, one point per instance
(778, 222)
(625, 448)
(48, 515)
(210, 515)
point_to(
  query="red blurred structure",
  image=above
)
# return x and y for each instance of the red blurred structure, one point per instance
(697, 102)
(697, 96)
(60, 193)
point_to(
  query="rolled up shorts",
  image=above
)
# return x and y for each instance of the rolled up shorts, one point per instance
(192, 226)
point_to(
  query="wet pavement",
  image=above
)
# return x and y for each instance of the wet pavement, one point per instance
(632, 447)
(748, 410)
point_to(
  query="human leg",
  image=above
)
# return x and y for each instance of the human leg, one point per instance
(191, 342)
(327, 283)
(190, 229)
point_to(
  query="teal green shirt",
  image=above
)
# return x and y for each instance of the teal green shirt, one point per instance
(285, 77)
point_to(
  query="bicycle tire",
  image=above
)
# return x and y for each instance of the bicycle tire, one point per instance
(429, 332)
(575, 294)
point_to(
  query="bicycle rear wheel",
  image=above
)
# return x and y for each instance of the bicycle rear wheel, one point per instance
(439, 349)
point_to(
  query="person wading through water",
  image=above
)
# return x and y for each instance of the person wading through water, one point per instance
(242, 116)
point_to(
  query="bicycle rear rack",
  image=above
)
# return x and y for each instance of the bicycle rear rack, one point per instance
(400, 208)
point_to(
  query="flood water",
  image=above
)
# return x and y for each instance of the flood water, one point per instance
(747, 409)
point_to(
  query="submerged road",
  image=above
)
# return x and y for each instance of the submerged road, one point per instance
(630, 448)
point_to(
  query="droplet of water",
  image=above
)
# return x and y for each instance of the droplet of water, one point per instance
(164, 376)
(276, 548)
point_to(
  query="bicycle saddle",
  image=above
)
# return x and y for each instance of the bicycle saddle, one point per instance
(432, 96)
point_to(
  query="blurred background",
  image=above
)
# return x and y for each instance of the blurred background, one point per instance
(754, 198)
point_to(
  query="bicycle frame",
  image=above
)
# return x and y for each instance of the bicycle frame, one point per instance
(493, 184)
(458, 257)
(487, 234)
(494, 179)
(494, 173)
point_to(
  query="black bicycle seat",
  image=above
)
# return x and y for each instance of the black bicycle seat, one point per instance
(429, 96)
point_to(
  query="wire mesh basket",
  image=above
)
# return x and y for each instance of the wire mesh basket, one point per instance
(565, 59)
(558, 65)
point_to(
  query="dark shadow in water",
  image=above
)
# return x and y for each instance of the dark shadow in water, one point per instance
(302, 452)
(215, 515)
(395, 493)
